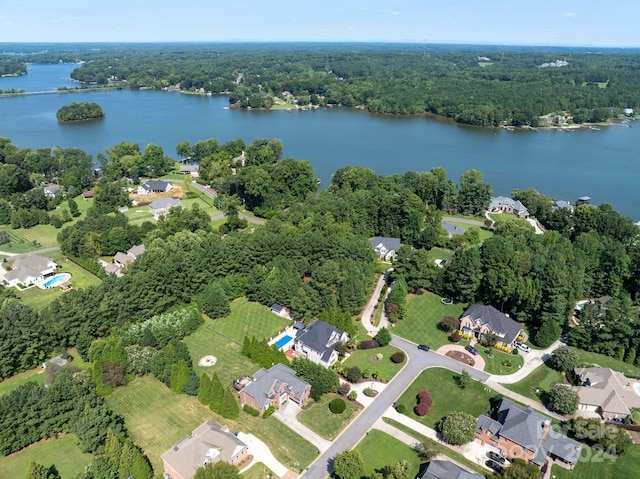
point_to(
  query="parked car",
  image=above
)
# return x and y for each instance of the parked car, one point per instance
(495, 457)
(424, 347)
(523, 347)
(493, 465)
(471, 349)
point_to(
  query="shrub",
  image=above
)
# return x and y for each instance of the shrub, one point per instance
(450, 323)
(337, 406)
(421, 409)
(401, 408)
(455, 336)
(248, 409)
(369, 344)
(506, 363)
(379, 356)
(354, 374)
(398, 357)
(425, 401)
(383, 337)
(268, 412)
(353, 395)
(369, 392)
(344, 389)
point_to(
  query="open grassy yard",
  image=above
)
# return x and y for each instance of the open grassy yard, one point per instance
(257, 471)
(366, 360)
(321, 420)
(596, 360)
(157, 418)
(424, 313)
(483, 232)
(447, 396)
(380, 450)
(30, 239)
(440, 253)
(501, 362)
(61, 452)
(250, 319)
(594, 465)
(504, 217)
(543, 378)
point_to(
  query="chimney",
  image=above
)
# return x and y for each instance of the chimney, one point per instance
(545, 429)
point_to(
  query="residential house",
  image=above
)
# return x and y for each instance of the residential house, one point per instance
(583, 200)
(520, 432)
(154, 186)
(561, 205)
(480, 320)
(191, 170)
(52, 191)
(30, 270)
(162, 206)
(452, 230)
(318, 342)
(385, 248)
(279, 309)
(58, 361)
(210, 442)
(504, 204)
(606, 392)
(274, 387)
(121, 260)
(87, 195)
(439, 469)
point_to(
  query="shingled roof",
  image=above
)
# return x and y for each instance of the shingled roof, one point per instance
(501, 324)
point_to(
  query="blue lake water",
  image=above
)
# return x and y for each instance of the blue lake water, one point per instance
(564, 165)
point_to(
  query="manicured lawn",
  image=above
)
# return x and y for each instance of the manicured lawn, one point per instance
(542, 378)
(447, 396)
(257, 471)
(504, 217)
(61, 452)
(424, 313)
(441, 448)
(250, 319)
(484, 233)
(366, 360)
(321, 420)
(380, 450)
(588, 359)
(29, 239)
(495, 364)
(440, 253)
(156, 419)
(381, 267)
(594, 465)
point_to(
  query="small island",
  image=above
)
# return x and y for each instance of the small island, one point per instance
(79, 111)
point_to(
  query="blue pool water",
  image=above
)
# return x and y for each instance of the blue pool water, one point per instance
(636, 386)
(283, 341)
(57, 279)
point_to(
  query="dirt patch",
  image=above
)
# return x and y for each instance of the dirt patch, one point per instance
(461, 357)
(207, 361)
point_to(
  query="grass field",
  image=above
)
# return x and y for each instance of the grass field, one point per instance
(61, 452)
(424, 313)
(440, 253)
(29, 239)
(505, 217)
(596, 360)
(257, 471)
(542, 378)
(484, 233)
(379, 450)
(495, 364)
(447, 396)
(366, 361)
(249, 319)
(321, 420)
(594, 465)
(157, 418)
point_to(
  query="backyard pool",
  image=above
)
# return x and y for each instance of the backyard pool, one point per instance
(636, 386)
(283, 341)
(55, 281)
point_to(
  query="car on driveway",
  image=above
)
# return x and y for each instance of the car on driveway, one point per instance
(523, 347)
(424, 347)
(493, 465)
(495, 457)
(471, 349)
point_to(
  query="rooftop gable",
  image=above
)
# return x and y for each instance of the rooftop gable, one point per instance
(501, 324)
(320, 337)
(266, 382)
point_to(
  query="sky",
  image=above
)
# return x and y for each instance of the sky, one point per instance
(513, 22)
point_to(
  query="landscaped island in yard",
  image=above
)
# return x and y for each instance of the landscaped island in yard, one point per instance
(80, 111)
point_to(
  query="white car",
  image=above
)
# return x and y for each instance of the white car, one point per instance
(523, 347)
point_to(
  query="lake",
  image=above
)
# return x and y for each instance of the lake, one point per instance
(563, 165)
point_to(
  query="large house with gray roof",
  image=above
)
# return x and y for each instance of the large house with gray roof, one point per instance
(317, 343)
(504, 204)
(606, 392)
(274, 387)
(438, 469)
(210, 442)
(385, 248)
(520, 432)
(162, 206)
(154, 186)
(480, 320)
(30, 270)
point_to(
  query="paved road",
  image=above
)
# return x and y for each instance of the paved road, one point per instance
(211, 194)
(29, 253)
(371, 305)
(417, 361)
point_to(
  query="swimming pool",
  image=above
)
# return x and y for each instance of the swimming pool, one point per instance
(283, 341)
(55, 280)
(636, 386)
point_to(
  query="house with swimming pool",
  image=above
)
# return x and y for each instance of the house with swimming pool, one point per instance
(318, 342)
(29, 270)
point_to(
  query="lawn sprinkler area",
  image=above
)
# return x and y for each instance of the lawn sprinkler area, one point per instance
(206, 361)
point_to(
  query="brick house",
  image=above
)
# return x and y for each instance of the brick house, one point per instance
(480, 320)
(274, 387)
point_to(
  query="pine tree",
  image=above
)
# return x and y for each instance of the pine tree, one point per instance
(126, 460)
(141, 467)
(631, 356)
(246, 347)
(217, 394)
(229, 408)
(204, 393)
(180, 373)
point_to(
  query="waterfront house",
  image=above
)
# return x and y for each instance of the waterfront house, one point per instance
(154, 186)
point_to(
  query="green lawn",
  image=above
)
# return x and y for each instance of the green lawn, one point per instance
(447, 396)
(484, 233)
(424, 313)
(594, 465)
(250, 319)
(380, 450)
(80, 278)
(366, 360)
(495, 364)
(257, 471)
(440, 253)
(321, 420)
(156, 419)
(588, 359)
(542, 378)
(441, 448)
(61, 452)
(29, 239)
(504, 217)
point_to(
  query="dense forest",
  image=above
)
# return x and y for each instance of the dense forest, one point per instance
(9, 66)
(478, 85)
(79, 111)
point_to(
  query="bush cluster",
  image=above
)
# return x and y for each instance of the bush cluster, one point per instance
(337, 406)
(370, 344)
(398, 357)
(425, 401)
(344, 389)
(248, 409)
(268, 412)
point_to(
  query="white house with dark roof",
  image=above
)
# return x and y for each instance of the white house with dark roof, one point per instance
(274, 387)
(52, 191)
(385, 248)
(191, 170)
(439, 469)
(606, 392)
(504, 204)
(162, 206)
(209, 443)
(317, 343)
(154, 186)
(480, 320)
(30, 270)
